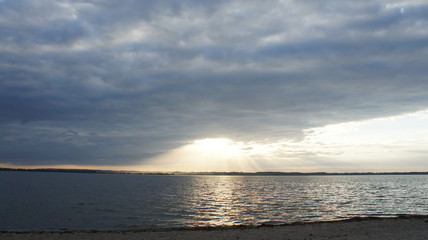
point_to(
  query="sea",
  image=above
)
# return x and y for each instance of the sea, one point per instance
(83, 201)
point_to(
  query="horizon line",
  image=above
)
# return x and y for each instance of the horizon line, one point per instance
(210, 172)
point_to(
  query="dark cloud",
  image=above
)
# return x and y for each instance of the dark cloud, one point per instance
(108, 82)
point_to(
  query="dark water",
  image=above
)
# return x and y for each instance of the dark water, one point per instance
(52, 201)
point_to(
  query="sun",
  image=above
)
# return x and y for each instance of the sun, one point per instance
(208, 154)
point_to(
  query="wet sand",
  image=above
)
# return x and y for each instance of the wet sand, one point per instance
(405, 227)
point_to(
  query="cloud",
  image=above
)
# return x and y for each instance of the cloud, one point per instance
(132, 80)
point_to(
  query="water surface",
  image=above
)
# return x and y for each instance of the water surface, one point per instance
(53, 201)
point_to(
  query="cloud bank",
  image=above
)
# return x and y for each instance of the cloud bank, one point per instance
(116, 82)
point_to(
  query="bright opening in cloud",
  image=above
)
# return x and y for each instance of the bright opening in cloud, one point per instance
(209, 154)
(383, 144)
(214, 144)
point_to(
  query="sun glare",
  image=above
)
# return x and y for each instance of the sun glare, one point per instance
(209, 154)
(355, 146)
(215, 145)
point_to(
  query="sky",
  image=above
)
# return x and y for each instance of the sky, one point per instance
(196, 85)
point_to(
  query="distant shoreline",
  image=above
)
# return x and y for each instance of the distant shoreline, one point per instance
(212, 173)
(401, 227)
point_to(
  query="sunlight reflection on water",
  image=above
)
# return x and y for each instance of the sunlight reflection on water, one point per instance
(104, 201)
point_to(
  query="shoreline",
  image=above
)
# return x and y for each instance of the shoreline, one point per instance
(225, 227)
(400, 227)
(207, 173)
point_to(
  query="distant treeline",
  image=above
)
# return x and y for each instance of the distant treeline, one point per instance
(297, 173)
(53, 170)
(212, 173)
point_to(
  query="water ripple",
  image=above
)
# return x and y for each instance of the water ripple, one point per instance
(103, 201)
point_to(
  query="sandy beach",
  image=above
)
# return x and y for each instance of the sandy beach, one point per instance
(414, 227)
